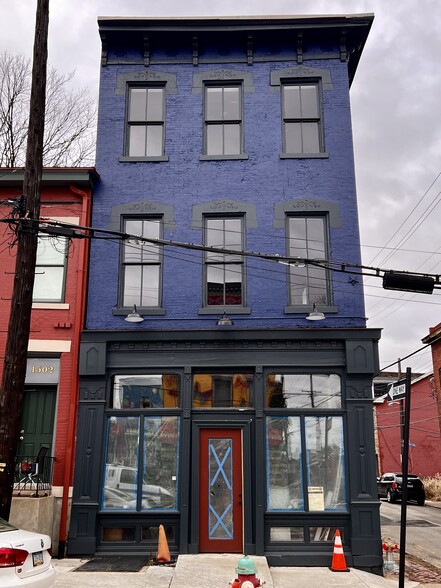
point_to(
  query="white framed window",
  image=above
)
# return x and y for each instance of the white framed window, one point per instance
(141, 280)
(308, 239)
(145, 122)
(50, 269)
(302, 119)
(223, 120)
(224, 272)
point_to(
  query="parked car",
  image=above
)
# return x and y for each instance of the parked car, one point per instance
(25, 558)
(125, 479)
(389, 486)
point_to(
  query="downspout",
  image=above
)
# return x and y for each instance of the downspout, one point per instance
(78, 328)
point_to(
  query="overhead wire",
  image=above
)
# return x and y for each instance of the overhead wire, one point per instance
(408, 216)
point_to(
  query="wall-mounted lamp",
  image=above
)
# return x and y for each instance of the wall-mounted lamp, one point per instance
(134, 316)
(224, 321)
(315, 315)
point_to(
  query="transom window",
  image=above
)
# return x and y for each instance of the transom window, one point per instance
(224, 272)
(142, 264)
(301, 118)
(222, 390)
(146, 391)
(308, 239)
(50, 269)
(223, 120)
(145, 122)
(319, 391)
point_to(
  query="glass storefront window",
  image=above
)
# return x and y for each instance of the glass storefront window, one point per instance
(322, 459)
(284, 459)
(146, 391)
(158, 438)
(222, 390)
(325, 462)
(159, 488)
(121, 475)
(303, 391)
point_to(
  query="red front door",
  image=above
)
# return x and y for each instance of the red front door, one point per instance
(220, 491)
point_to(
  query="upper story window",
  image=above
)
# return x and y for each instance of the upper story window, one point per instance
(142, 264)
(308, 239)
(50, 269)
(223, 120)
(145, 122)
(224, 273)
(301, 112)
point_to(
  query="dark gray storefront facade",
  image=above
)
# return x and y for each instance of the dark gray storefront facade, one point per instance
(304, 469)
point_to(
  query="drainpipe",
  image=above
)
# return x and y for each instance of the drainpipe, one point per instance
(78, 327)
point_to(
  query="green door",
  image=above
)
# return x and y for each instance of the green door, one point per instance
(37, 420)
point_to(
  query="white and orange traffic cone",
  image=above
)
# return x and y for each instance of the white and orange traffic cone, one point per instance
(163, 555)
(338, 559)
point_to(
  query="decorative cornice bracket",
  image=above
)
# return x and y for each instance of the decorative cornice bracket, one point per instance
(299, 47)
(195, 43)
(103, 50)
(343, 47)
(250, 49)
(146, 39)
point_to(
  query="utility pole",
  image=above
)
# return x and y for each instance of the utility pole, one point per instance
(14, 368)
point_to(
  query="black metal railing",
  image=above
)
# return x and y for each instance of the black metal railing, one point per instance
(32, 476)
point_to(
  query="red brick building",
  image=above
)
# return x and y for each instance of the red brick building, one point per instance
(434, 339)
(58, 311)
(424, 438)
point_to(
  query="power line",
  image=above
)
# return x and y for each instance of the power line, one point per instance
(406, 219)
(407, 356)
(77, 231)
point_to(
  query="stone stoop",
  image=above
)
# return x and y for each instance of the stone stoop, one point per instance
(209, 570)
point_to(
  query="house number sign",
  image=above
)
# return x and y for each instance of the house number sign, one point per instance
(42, 370)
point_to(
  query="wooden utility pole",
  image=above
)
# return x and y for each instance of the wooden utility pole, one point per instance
(14, 368)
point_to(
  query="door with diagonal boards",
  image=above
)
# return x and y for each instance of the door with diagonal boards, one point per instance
(220, 491)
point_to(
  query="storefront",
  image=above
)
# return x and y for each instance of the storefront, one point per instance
(244, 442)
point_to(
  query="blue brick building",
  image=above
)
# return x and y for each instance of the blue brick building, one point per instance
(225, 139)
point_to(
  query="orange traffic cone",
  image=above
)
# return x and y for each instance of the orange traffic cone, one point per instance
(338, 559)
(163, 555)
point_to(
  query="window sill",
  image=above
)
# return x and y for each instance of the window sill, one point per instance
(307, 308)
(226, 309)
(240, 156)
(323, 155)
(142, 310)
(156, 158)
(50, 305)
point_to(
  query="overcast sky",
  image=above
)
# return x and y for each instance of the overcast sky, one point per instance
(396, 105)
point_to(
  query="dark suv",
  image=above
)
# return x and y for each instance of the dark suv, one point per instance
(389, 487)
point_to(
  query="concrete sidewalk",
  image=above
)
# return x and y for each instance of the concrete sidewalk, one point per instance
(216, 571)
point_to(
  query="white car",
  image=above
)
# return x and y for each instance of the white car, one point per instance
(25, 558)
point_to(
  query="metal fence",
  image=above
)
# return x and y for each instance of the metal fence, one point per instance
(33, 477)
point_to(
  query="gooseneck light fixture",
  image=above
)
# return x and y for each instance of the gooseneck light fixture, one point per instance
(315, 315)
(134, 316)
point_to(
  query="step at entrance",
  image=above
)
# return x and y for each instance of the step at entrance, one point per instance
(209, 569)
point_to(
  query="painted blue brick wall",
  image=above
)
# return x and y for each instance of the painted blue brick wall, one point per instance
(264, 180)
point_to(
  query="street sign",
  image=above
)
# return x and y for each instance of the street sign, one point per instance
(397, 391)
